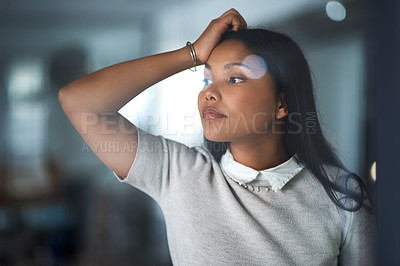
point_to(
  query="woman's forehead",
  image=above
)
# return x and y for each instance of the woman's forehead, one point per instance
(229, 50)
(232, 54)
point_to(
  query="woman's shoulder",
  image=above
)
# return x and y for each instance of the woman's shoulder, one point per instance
(338, 175)
(338, 180)
(149, 142)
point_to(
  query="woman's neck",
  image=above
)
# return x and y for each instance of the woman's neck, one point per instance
(260, 152)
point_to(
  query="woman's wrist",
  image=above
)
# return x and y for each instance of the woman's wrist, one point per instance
(184, 56)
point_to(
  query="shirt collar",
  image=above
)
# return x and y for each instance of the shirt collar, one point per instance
(277, 176)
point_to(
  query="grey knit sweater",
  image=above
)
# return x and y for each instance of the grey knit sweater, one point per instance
(211, 220)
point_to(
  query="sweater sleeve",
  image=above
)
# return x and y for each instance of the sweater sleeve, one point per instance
(358, 245)
(160, 163)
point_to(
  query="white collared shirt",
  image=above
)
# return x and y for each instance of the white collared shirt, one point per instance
(277, 176)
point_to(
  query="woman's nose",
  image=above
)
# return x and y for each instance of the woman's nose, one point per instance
(210, 97)
(212, 94)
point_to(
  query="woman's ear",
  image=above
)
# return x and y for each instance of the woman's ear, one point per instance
(281, 111)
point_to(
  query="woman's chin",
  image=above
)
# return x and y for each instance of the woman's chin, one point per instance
(216, 137)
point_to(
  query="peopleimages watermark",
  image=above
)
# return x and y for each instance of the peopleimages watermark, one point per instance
(190, 124)
(110, 124)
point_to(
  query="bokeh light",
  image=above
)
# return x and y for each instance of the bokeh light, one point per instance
(335, 11)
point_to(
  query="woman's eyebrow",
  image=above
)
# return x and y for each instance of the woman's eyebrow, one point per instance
(230, 65)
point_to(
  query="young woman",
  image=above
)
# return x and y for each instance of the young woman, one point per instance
(267, 189)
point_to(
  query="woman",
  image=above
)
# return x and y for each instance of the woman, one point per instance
(268, 189)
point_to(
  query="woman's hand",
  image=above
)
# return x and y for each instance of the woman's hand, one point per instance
(204, 45)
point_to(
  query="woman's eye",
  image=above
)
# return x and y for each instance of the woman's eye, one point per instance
(207, 82)
(235, 80)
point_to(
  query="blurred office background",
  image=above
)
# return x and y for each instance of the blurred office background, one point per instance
(59, 205)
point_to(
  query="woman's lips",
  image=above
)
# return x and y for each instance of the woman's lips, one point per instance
(211, 113)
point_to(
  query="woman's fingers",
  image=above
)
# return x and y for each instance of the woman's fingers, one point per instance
(231, 19)
(237, 21)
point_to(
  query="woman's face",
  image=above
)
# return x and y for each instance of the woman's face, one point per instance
(239, 100)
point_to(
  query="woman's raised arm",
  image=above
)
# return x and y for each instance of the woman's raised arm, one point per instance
(92, 102)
